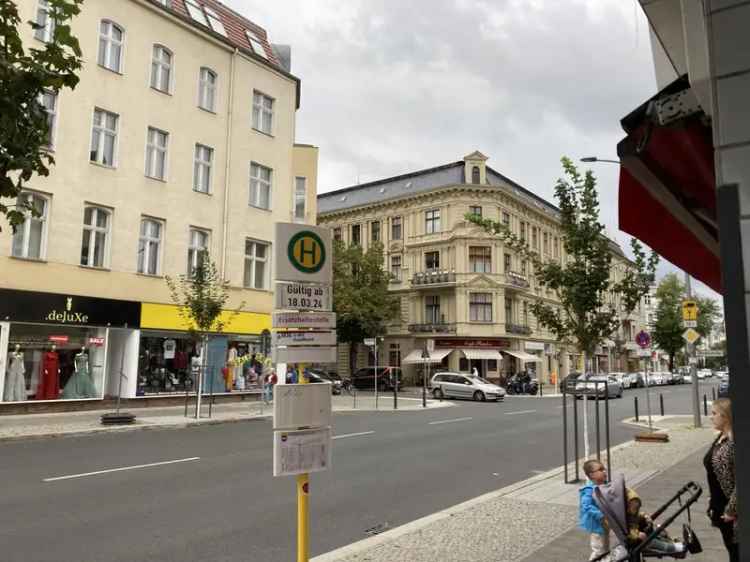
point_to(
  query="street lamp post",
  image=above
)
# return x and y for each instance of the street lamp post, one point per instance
(597, 159)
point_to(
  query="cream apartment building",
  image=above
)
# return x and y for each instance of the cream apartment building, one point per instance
(180, 137)
(458, 286)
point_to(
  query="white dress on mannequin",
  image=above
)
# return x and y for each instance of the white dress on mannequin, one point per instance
(15, 383)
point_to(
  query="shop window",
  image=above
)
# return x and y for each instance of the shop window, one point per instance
(256, 264)
(30, 238)
(396, 228)
(463, 365)
(149, 247)
(197, 250)
(96, 231)
(480, 259)
(480, 307)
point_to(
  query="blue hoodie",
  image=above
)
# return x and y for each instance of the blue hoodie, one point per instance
(590, 517)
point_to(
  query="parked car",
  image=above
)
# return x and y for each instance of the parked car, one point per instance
(687, 378)
(388, 377)
(569, 382)
(704, 373)
(724, 389)
(448, 384)
(603, 385)
(655, 379)
(723, 375)
(317, 378)
(631, 380)
(622, 378)
(325, 376)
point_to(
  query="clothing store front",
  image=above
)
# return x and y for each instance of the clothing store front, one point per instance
(58, 346)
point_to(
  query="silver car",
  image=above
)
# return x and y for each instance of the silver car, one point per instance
(457, 385)
(601, 385)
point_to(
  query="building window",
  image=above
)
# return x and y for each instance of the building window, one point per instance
(256, 44)
(508, 310)
(110, 46)
(396, 268)
(204, 157)
(300, 198)
(432, 221)
(256, 264)
(260, 186)
(207, 89)
(534, 238)
(480, 307)
(475, 210)
(506, 263)
(523, 231)
(194, 9)
(432, 309)
(525, 313)
(104, 137)
(475, 174)
(95, 246)
(337, 233)
(431, 260)
(556, 247)
(375, 231)
(48, 99)
(356, 234)
(46, 21)
(161, 69)
(197, 250)
(149, 247)
(396, 228)
(262, 113)
(394, 355)
(30, 237)
(156, 153)
(214, 21)
(506, 219)
(480, 259)
(523, 267)
(545, 243)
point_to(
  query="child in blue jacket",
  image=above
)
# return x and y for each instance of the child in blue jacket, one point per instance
(590, 517)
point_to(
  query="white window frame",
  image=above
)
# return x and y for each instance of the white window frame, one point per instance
(479, 304)
(159, 67)
(90, 231)
(44, 18)
(300, 198)
(110, 44)
(207, 89)
(103, 131)
(51, 115)
(202, 168)
(24, 229)
(146, 243)
(432, 221)
(432, 313)
(263, 110)
(400, 228)
(396, 267)
(194, 249)
(250, 262)
(480, 262)
(256, 44)
(194, 11)
(153, 150)
(257, 183)
(214, 21)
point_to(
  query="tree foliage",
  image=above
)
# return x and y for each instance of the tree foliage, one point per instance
(361, 299)
(709, 314)
(24, 75)
(668, 328)
(583, 282)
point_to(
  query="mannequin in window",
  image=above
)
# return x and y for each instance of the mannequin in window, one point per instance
(49, 376)
(15, 383)
(233, 369)
(80, 384)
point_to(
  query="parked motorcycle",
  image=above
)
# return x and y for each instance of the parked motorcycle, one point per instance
(522, 384)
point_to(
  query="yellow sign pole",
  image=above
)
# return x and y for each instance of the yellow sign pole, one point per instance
(303, 491)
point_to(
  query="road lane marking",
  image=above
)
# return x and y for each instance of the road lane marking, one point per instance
(120, 469)
(450, 421)
(352, 434)
(520, 412)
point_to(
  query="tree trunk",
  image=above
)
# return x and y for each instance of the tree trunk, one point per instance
(352, 359)
(671, 362)
(585, 412)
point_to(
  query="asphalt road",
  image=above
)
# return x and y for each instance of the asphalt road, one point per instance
(220, 502)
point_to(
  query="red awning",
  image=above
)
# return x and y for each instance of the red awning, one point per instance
(667, 194)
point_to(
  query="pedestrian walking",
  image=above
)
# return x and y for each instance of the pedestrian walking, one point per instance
(720, 473)
(590, 517)
(268, 382)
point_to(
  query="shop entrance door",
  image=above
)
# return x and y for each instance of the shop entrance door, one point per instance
(216, 360)
(480, 365)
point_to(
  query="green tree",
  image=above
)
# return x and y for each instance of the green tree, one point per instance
(709, 314)
(24, 76)
(668, 327)
(583, 281)
(361, 299)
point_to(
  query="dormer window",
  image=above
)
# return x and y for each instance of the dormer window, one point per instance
(194, 9)
(214, 21)
(475, 174)
(256, 44)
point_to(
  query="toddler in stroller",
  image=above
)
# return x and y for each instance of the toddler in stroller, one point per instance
(637, 535)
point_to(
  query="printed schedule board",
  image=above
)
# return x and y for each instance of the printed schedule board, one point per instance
(303, 253)
(301, 452)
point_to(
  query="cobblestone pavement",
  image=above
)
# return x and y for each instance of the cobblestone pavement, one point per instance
(502, 527)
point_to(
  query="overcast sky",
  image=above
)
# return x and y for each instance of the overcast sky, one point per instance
(390, 87)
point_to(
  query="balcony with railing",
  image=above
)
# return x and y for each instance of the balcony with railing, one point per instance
(433, 277)
(520, 329)
(517, 280)
(439, 328)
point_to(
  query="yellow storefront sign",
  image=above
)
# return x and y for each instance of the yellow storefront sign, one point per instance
(167, 317)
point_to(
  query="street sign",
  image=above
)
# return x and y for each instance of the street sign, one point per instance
(299, 354)
(644, 353)
(301, 452)
(693, 360)
(306, 338)
(711, 353)
(298, 406)
(689, 310)
(303, 296)
(690, 336)
(369, 341)
(324, 320)
(690, 323)
(643, 339)
(303, 253)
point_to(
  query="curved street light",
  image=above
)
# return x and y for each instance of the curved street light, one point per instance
(595, 159)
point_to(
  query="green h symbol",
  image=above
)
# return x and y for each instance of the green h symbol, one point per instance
(305, 251)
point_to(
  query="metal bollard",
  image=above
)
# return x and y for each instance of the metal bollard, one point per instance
(705, 405)
(713, 393)
(661, 404)
(635, 404)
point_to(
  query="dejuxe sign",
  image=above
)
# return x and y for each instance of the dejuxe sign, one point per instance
(53, 308)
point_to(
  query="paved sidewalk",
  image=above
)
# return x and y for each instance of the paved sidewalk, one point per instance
(535, 520)
(25, 426)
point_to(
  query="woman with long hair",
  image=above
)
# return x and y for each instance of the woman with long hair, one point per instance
(720, 472)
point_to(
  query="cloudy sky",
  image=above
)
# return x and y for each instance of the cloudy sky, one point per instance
(390, 87)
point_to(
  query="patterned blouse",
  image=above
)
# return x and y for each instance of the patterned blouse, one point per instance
(722, 462)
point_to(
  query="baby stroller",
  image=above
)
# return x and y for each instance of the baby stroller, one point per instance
(612, 500)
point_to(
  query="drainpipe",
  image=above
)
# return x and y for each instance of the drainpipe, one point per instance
(227, 166)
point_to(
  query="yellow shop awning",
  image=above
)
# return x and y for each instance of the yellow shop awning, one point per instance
(167, 317)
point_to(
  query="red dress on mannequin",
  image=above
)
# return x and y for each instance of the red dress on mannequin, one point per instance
(49, 379)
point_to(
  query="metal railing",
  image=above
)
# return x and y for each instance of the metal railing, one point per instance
(517, 280)
(439, 328)
(433, 277)
(521, 329)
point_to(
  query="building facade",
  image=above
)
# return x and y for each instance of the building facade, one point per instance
(459, 286)
(179, 139)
